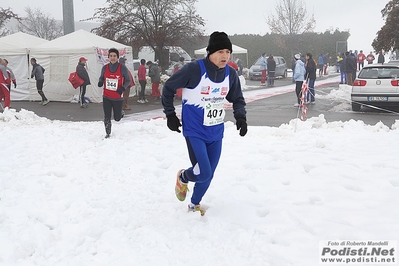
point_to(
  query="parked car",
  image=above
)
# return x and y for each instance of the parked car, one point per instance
(376, 85)
(281, 68)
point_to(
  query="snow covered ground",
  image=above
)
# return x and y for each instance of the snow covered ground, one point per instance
(69, 197)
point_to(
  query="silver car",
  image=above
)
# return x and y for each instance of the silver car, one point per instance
(281, 68)
(376, 85)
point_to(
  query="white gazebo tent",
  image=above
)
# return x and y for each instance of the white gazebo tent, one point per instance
(236, 50)
(15, 48)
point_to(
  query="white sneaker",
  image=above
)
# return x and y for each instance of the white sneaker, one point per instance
(296, 105)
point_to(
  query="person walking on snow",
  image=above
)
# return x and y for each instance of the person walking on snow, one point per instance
(206, 84)
(114, 79)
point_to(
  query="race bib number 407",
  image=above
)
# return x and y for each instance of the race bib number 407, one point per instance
(214, 114)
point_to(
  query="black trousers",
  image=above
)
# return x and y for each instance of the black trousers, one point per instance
(298, 90)
(109, 106)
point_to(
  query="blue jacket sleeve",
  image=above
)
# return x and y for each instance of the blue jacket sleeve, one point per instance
(187, 77)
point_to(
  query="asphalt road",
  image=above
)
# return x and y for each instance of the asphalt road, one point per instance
(268, 109)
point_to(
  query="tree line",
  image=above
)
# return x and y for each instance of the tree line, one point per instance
(281, 45)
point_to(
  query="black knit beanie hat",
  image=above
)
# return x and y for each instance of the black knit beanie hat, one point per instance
(113, 50)
(218, 41)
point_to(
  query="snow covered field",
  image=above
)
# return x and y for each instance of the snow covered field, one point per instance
(69, 197)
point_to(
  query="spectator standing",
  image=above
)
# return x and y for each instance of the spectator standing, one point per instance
(154, 74)
(126, 93)
(326, 59)
(141, 75)
(310, 76)
(263, 69)
(299, 76)
(271, 70)
(38, 73)
(342, 66)
(114, 79)
(82, 73)
(370, 58)
(320, 65)
(206, 83)
(360, 59)
(11, 75)
(240, 66)
(4, 81)
(381, 58)
(350, 67)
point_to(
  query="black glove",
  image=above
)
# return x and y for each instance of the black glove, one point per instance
(100, 84)
(15, 84)
(173, 122)
(241, 124)
(120, 90)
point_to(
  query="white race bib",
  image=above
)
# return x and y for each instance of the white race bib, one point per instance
(111, 84)
(214, 114)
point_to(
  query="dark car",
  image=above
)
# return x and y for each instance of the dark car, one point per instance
(281, 68)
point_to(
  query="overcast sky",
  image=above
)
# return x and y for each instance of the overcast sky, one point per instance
(362, 18)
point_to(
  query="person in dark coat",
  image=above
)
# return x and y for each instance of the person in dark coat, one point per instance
(350, 67)
(271, 70)
(381, 58)
(38, 74)
(310, 75)
(82, 73)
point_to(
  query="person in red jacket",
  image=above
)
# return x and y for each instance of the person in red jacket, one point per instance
(11, 75)
(360, 59)
(141, 75)
(114, 79)
(4, 82)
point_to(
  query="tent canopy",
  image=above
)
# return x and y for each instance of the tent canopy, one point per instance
(15, 48)
(236, 50)
(80, 41)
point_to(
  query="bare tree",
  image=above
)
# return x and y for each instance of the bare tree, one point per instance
(291, 19)
(156, 23)
(5, 15)
(39, 24)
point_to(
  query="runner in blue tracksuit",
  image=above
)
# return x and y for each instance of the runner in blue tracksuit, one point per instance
(206, 84)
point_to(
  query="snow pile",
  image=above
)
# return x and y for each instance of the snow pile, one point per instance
(69, 197)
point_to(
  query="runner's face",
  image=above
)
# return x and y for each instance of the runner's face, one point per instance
(220, 58)
(113, 58)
